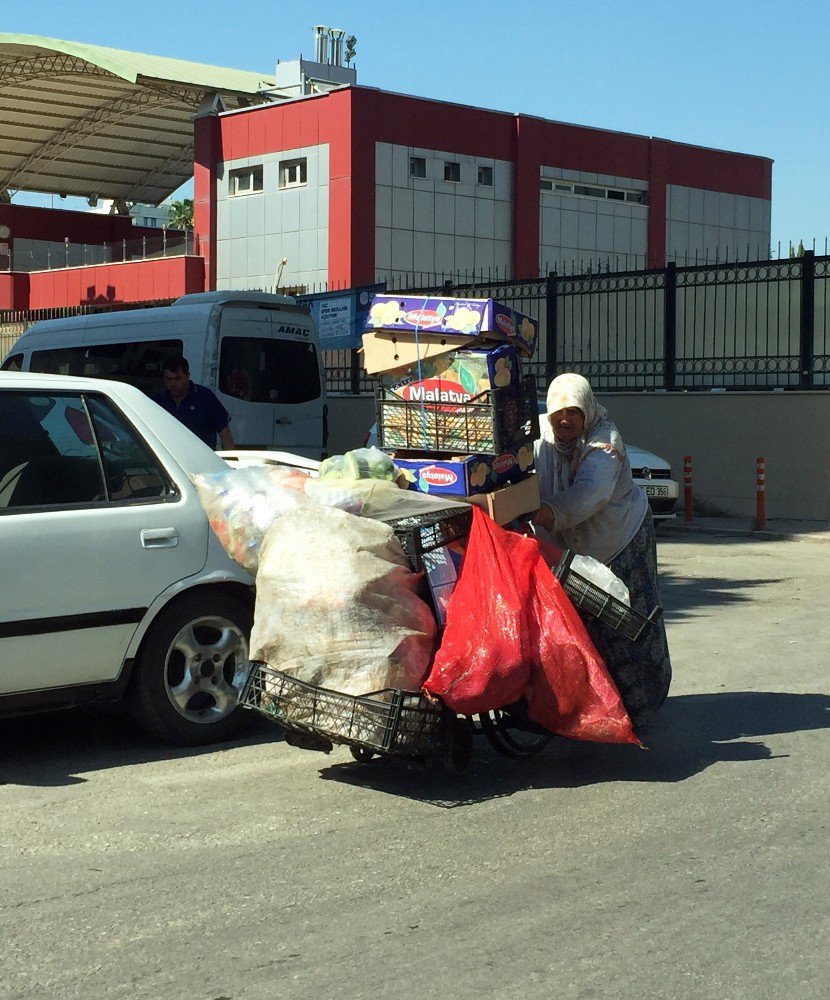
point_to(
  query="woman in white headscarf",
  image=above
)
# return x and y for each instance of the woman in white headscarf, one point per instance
(591, 504)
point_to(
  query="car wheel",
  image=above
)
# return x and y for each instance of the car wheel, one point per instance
(190, 671)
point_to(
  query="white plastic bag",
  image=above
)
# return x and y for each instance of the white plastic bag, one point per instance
(601, 576)
(336, 605)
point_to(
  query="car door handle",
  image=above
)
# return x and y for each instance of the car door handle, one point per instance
(159, 538)
(282, 420)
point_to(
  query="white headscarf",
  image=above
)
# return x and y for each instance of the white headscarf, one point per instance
(575, 390)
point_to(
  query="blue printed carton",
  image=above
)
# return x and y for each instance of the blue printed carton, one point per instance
(465, 475)
(453, 317)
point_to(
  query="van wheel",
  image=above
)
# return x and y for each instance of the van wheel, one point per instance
(191, 669)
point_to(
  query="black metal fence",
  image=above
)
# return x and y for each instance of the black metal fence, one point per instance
(755, 325)
(738, 326)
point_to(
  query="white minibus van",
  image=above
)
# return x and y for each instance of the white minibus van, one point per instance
(259, 353)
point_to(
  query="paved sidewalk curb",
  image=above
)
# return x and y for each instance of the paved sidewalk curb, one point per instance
(783, 531)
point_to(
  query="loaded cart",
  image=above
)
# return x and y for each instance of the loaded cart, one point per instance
(406, 724)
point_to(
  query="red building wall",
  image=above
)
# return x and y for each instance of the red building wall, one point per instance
(102, 284)
(56, 225)
(352, 120)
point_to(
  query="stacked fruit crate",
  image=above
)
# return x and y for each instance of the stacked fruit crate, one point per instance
(454, 407)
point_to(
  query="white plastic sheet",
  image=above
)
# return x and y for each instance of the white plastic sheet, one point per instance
(336, 604)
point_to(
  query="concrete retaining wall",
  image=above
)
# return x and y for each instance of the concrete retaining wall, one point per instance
(723, 432)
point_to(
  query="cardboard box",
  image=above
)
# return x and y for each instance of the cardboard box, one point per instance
(385, 350)
(457, 375)
(442, 566)
(465, 475)
(506, 504)
(448, 316)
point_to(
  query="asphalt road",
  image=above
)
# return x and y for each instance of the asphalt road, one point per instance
(696, 869)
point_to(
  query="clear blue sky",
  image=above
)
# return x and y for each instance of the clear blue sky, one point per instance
(747, 76)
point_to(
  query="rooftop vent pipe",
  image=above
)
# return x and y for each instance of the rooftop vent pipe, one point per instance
(336, 50)
(321, 43)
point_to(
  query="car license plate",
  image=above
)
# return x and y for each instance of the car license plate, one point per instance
(657, 491)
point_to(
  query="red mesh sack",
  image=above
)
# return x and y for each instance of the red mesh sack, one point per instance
(511, 632)
(570, 692)
(487, 653)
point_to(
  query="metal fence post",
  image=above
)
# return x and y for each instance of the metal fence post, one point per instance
(669, 324)
(808, 292)
(550, 329)
(354, 373)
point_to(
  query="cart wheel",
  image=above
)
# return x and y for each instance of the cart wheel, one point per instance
(459, 748)
(362, 754)
(508, 741)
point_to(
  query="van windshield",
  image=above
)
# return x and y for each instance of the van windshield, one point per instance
(262, 370)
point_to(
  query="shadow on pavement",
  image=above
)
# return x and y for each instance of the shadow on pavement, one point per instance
(691, 733)
(57, 748)
(686, 597)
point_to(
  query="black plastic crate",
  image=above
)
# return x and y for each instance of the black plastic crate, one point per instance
(425, 532)
(607, 609)
(490, 423)
(389, 721)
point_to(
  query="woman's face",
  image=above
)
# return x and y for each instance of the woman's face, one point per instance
(567, 424)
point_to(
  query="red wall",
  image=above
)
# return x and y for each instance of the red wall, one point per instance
(14, 290)
(138, 281)
(323, 119)
(55, 225)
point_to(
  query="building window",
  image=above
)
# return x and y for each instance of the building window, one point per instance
(417, 166)
(589, 191)
(293, 173)
(245, 180)
(452, 171)
(485, 176)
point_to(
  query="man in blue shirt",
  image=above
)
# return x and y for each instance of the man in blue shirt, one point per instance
(194, 405)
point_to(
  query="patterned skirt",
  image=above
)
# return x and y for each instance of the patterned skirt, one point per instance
(642, 672)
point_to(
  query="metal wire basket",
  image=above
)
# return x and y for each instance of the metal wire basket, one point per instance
(596, 602)
(491, 423)
(389, 721)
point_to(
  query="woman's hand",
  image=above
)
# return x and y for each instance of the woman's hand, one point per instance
(543, 518)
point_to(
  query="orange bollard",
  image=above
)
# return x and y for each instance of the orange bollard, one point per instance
(687, 487)
(761, 493)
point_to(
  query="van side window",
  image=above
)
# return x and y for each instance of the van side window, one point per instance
(13, 363)
(262, 370)
(138, 363)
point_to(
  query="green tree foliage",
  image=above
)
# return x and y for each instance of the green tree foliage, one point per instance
(181, 214)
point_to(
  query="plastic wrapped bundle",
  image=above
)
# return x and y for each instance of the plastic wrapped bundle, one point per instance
(362, 463)
(242, 503)
(336, 605)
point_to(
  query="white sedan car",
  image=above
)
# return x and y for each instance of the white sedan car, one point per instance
(651, 473)
(113, 583)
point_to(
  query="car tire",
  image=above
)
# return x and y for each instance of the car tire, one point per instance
(190, 670)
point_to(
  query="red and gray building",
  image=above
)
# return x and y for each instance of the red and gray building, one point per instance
(359, 185)
(305, 179)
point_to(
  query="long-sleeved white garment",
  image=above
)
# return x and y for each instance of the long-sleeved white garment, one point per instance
(600, 511)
